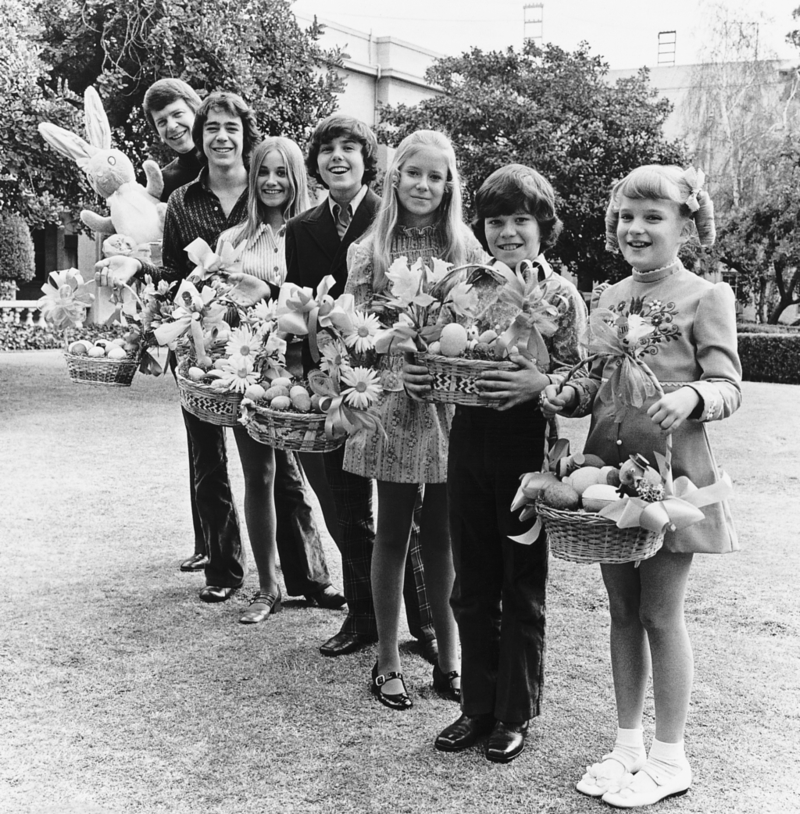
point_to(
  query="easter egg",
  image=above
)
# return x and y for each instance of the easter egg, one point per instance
(435, 347)
(488, 336)
(315, 400)
(96, 351)
(255, 392)
(301, 401)
(453, 340)
(561, 496)
(117, 352)
(598, 495)
(582, 478)
(80, 347)
(296, 390)
(101, 343)
(195, 373)
(280, 403)
(221, 364)
(609, 474)
(118, 342)
(276, 390)
(282, 381)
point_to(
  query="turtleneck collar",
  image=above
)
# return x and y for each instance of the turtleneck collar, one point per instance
(654, 275)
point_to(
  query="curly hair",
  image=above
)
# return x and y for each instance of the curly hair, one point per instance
(340, 126)
(233, 105)
(517, 188)
(664, 182)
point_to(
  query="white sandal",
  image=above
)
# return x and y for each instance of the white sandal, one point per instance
(632, 795)
(604, 776)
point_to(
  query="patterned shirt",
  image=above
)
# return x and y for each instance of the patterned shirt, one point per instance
(265, 255)
(193, 211)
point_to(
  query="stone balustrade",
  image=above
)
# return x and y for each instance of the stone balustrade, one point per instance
(20, 312)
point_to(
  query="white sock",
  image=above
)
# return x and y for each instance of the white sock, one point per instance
(668, 759)
(628, 748)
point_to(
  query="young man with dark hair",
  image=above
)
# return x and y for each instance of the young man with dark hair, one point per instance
(343, 158)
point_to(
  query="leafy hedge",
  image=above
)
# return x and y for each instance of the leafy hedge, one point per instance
(770, 356)
(35, 337)
(16, 249)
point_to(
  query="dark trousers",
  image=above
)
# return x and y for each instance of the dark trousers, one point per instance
(303, 564)
(499, 593)
(213, 502)
(353, 497)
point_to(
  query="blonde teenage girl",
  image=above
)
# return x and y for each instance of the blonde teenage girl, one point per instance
(692, 352)
(419, 217)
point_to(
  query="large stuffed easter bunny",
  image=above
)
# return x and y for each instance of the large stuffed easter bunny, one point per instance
(136, 212)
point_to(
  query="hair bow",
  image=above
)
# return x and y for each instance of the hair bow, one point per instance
(65, 299)
(695, 179)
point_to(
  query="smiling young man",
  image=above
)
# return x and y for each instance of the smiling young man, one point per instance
(342, 156)
(215, 200)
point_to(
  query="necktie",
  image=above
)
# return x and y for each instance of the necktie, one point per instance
(343, 218)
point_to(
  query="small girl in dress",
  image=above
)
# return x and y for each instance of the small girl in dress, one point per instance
(419, 217)
(692, 352)
(499, 592)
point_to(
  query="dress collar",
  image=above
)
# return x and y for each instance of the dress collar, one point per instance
(654, 275)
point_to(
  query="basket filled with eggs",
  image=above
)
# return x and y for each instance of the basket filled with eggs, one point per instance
(110, 362)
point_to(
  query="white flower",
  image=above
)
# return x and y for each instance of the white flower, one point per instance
(243, 344)
(364, 386)
(405, 281)
(363, 332)
(238, 375)
(637, 329)
(438, 270)
(333, 358)
(463, 298)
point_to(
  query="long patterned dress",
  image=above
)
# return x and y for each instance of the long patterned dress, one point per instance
(416, 444)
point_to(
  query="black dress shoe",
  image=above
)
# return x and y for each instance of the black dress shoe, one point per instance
(506, 741)
(430, 650)
(461, 734)
(327, 597)
(398, 700)
(343, 643)
(197, 562)
(443, 683)
(265, 603)
(216, 593)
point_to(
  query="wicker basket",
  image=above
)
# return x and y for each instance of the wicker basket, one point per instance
(299, 432)
(588, 537)
(455, 378)
(85, 369)
(206, 402)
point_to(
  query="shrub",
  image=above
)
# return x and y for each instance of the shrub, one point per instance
(764, 328)
(16, 249)
(41, 337)
(770, 357)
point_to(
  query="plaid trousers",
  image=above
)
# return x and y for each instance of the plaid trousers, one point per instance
(353, 497)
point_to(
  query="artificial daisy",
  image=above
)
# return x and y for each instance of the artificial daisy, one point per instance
(242, 344)
(237, 375)
(363, 332)
(333, 358)
(364, 386)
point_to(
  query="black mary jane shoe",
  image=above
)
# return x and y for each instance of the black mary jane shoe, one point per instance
(398, 700)
(443, 683)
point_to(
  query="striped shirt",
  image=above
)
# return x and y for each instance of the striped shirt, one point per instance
(265, 255)
(193, 211)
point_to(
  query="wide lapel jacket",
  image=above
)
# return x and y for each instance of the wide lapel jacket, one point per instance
(313, 247)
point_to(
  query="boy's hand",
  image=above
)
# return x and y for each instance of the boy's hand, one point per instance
(552, 402)
(115, 270)
(671, 410)
(503, 389)
(416, 378)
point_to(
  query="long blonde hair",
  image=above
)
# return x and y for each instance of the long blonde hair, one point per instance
(298, 201)
(450, 218)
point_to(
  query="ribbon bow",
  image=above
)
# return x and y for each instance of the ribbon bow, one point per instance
(302, 313)
(194, 311)
(695, 179)
(340, 418)
(225, 259)
(65, 299)
(681, 506)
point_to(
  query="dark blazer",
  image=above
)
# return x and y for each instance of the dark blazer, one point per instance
(313, 247)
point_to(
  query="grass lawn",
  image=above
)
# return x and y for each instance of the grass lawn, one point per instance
(121, 692)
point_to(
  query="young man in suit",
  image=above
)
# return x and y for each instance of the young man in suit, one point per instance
(343, 158)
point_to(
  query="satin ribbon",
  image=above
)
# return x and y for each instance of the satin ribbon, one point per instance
(226, 258)
(195, 311)
(340, 418)
(65, 299)
(695, 178)
(302, 313)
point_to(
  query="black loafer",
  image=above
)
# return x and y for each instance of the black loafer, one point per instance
(343, 643)
(463, 733)
(197, 562)
(506, 741)
(327, 597)
(216, 593)
(399, 700)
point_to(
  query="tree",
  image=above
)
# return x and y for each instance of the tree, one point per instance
(555, 111)
(252, 47)
(33, 180)
(761, 242)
